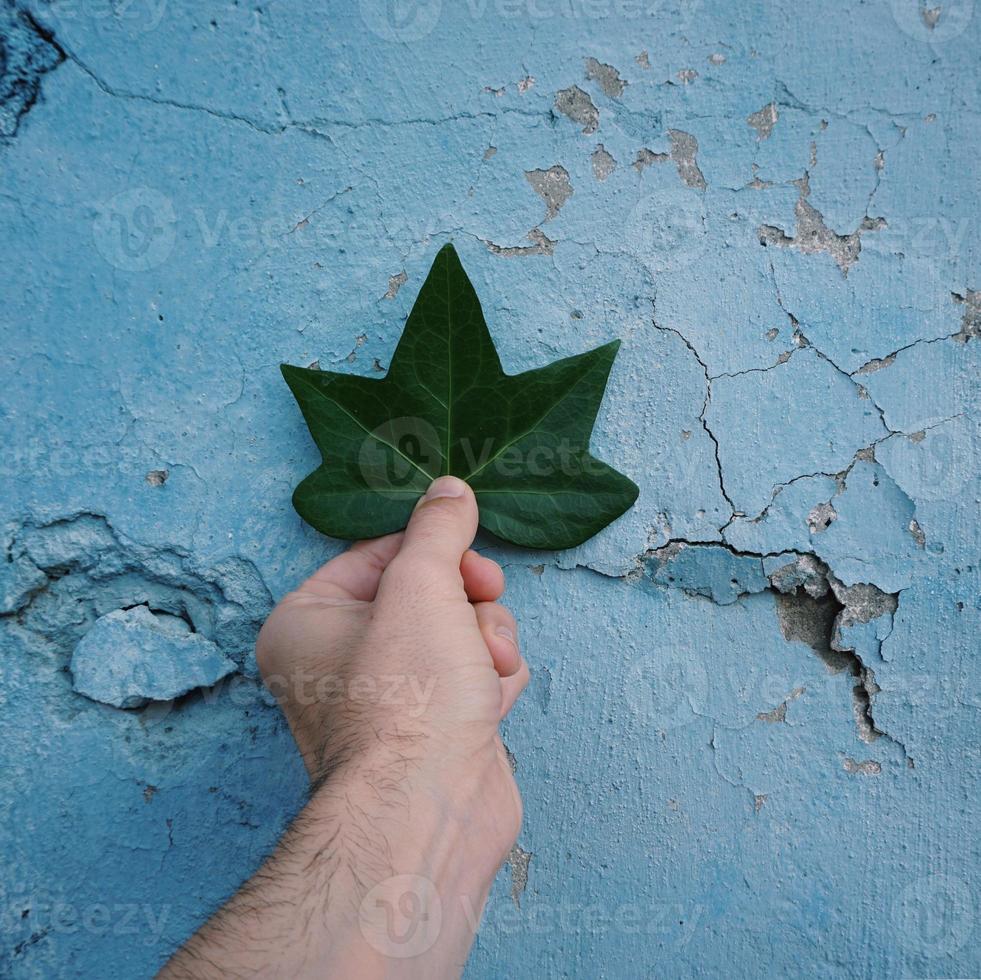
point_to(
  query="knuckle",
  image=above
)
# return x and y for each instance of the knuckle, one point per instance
(412, 577)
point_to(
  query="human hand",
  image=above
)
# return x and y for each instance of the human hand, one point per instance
(393, 664)
(395, 660)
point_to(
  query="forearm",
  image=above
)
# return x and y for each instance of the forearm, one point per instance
(369, 881)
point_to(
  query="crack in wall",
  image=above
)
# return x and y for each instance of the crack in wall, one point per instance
(970, 329)
(542, 245)
(701, 416)
(813, 607)
(313, 127)
(812, 235)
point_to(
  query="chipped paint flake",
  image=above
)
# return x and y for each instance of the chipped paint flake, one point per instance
(813, 236)
(603, 163)
(578, 106)
(607, 76)
(645, 158)
(552, 186)
(519, 861)
(395, 283)
(684, 151)
(130, 657)
(763, 120)
(868, 767)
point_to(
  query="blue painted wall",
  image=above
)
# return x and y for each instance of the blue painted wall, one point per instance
(750, 745)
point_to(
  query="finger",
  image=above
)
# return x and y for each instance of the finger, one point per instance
(356, 573)
(482, 577)
(511, 687)
(500, 633)
(440, 530)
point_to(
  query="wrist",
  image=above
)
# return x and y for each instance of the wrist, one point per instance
(420, 857)
(432, 819)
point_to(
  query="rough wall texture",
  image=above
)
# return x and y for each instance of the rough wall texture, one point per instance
(750, 743)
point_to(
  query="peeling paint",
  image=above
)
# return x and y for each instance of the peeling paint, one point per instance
(779, 714)
(542, 245)
(607, 76)
(684, 150)
(130, 657)
(820, 517)
(518, 861)
(552, 186)
(603, 163)
(971, 320)
(646, 158)
(77, 569)
(578, 106)
(812, 235)
(763, 120)
(867, 768)
(395, 283)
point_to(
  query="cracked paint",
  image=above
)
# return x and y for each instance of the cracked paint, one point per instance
(813, 236)
(773, 652)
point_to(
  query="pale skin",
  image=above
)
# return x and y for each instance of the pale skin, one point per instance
(394, 665)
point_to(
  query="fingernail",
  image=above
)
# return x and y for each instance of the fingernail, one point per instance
(445, 486)
(506, 633)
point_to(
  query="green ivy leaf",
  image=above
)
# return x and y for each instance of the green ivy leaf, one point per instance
(446, 407)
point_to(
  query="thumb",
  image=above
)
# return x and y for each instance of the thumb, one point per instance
(440, 530)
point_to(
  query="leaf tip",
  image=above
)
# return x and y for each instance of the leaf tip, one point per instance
(633, 491)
